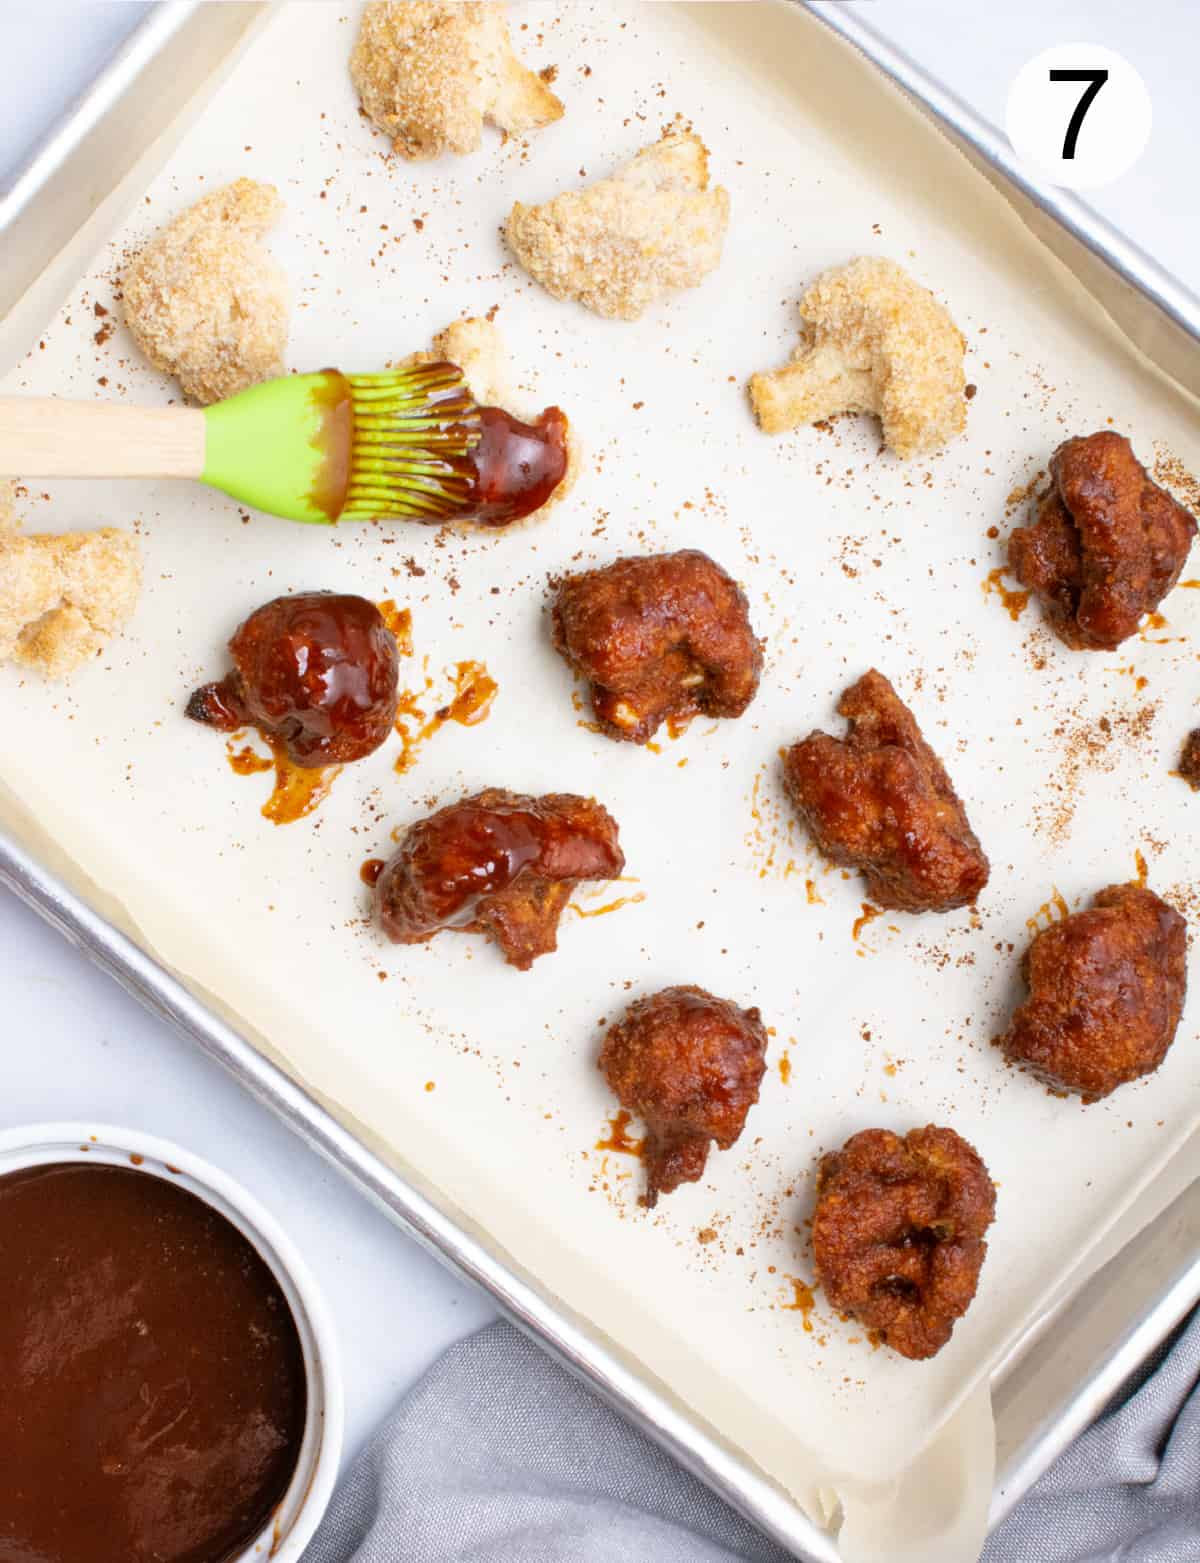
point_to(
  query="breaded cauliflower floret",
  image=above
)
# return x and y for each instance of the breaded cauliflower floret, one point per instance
(61, 596)
(204, 299)
(618, 245)
(8, 506)
(428, 73)
(873, 341)
(478, 349)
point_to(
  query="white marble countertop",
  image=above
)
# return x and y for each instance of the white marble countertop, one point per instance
(75, 1046)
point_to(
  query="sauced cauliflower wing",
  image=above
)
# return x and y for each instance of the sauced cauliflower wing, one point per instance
(478, 348)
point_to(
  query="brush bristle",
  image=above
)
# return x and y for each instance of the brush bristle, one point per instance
(414, 431)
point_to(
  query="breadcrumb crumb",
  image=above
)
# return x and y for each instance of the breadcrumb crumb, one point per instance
(428, 73)
(874, 341)
(620, 244)
(204, 299)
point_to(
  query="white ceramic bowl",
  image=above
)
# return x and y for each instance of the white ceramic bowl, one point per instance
(308, 1494)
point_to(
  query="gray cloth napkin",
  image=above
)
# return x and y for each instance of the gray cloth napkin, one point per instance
(499, 1456)
(1127, 1490)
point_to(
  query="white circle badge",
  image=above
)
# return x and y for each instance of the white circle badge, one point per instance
(1079, 115)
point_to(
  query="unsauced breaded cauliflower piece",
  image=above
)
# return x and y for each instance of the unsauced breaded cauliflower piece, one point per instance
(618, 245)
(429, 72)
(874, 341)
(8, 506)
(62, 596)
(204, 299)
(478, 349)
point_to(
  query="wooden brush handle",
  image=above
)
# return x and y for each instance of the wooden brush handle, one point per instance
(43, 437)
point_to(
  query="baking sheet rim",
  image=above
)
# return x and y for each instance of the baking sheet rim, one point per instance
(161, 990)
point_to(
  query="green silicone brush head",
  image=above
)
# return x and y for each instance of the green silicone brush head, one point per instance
(414, 431)
(317, 447)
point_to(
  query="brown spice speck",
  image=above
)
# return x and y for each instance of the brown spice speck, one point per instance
(1171, 473)
(1083, 747)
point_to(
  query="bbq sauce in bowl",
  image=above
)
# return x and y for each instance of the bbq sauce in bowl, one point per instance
(151, 1372)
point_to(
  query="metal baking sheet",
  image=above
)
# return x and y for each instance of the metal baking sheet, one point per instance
(706, 1454)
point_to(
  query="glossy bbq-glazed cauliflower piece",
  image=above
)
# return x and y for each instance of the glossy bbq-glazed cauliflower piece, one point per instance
(663, 637)
(524, 467)
(1106, 991)
(1106, 546)
(690, 1066)
(499, 863)
(204, 299)
(873, 341)
(880, 800)
(63, 595)
(618, 245)
(317, 670)
(898, 1233)
(430, 72)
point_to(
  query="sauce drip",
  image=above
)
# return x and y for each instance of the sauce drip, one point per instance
(868, 915)
(154, 1378)
(609, 906)
(399, 621)
(803, 1302)
(618, 1139)
(1156, 621)
(1051, 911)
(785, 1067)
(247, 761)
(370, 871)
(298, 789)
(1015, 602)
(475, 690)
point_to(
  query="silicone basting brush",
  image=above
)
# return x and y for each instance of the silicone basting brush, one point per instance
(411, 444)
